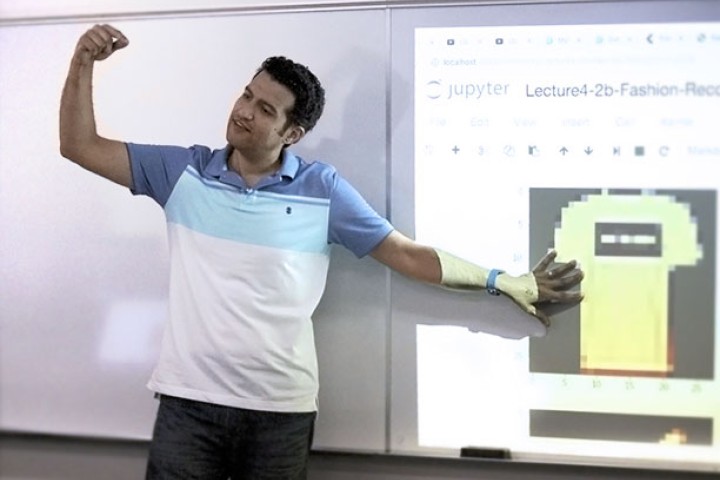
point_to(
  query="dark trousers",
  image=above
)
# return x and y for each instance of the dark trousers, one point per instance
(196, 440)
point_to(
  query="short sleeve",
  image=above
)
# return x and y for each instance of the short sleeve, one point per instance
(156, 169)
(353, 222)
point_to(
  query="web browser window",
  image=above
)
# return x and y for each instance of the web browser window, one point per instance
(599, 141)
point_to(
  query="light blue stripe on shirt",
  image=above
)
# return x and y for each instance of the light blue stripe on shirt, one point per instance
(212, 208)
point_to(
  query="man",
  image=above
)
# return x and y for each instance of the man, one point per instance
(249, 228)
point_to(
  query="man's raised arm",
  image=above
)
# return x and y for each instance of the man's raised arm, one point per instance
(79, 140)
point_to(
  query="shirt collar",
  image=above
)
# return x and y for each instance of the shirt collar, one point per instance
(290, 164)
(218, 163)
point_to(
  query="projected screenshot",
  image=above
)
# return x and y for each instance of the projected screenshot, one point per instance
(596, 141)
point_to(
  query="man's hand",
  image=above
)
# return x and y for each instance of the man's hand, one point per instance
(543, 286)
(555, 284)
(99, 43)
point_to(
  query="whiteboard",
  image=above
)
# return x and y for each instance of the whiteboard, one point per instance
(43, 10)
(84, 282)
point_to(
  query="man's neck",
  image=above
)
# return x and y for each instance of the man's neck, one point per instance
(253, 169)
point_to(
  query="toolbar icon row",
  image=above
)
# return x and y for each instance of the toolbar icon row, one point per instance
(563, 150)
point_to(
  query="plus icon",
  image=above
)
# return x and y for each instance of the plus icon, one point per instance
(455, 149)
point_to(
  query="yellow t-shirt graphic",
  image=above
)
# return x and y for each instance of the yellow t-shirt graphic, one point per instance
(627, 245)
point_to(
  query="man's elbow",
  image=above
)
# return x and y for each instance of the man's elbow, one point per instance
(69, 147)
(67, 151)
(74, 149)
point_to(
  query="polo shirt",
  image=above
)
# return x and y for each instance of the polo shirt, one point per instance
(248, 267)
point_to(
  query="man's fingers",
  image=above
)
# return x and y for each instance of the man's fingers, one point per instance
(114, 32)
(562, 269)
(568, 297)
(121, 40)
(565, 280)
(554, 284)
(102, 40)
(543, 318)
(97, 41)
(108, 38)
(545, 261)
(548, 295)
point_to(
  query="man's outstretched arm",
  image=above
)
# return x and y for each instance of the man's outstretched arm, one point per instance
(529, 291)
(79, 140)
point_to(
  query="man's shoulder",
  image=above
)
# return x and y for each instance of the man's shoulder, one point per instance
(209, 161)
(196, 151)
(205, 154)
(316, 168)
(309, 177)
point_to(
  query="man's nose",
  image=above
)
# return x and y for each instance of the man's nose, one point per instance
(244, 112)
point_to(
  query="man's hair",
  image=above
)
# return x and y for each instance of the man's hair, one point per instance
(309, 93)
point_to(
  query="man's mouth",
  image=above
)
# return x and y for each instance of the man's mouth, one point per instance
(241, 125)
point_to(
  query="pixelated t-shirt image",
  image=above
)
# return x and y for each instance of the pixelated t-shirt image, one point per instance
(627, 246)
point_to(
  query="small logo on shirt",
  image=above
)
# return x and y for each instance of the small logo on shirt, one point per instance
(288, 210)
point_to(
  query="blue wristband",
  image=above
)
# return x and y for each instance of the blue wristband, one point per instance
(491, 281)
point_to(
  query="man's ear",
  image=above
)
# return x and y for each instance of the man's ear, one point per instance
(294, 134)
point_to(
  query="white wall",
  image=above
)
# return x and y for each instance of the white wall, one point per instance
(37, 9)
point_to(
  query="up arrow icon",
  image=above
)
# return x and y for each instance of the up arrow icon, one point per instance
(563, 150)
(588, 150)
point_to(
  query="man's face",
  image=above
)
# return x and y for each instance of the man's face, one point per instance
(258, 124)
